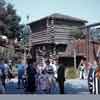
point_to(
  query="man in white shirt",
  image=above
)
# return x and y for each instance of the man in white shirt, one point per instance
(54, 66)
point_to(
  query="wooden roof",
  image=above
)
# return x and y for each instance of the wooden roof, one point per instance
(63, 17)
(66, 17)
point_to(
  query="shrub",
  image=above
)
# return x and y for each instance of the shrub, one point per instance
(71, 73)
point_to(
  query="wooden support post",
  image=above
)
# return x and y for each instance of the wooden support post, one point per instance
(74, 58)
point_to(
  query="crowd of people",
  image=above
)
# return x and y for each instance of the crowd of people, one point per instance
(34, 77)
(89, 72)
(84, 68)
(41, 78)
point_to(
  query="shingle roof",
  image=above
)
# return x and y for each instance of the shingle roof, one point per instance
(66, 17)
(61, 16)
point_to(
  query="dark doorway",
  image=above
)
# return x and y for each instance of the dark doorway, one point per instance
(69, 61)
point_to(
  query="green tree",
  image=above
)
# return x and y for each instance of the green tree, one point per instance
(77, 33)
(25, 32)
(9, 21)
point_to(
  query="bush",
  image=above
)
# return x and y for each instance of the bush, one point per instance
(71, 73)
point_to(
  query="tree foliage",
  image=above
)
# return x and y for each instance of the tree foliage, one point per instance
(25, 32)
(9, 21)
(77, 34)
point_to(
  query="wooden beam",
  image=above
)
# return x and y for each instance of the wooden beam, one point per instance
(91, 25)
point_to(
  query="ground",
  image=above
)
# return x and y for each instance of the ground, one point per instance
(72, 86)
(76, 86)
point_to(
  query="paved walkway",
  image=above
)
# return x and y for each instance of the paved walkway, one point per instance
(72, 86)
(11, 87)
(76, 86)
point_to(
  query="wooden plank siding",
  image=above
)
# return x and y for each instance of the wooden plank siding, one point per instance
(56, 33)
(54, 28)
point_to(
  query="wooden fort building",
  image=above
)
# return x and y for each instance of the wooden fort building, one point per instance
(53, 35)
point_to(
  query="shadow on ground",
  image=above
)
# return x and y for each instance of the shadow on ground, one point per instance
(11, 88)
(71, 87)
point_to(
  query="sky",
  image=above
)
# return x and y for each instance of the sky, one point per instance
(36, 9)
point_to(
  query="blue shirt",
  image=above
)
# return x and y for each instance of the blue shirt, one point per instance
(20, 66)
(2, 68)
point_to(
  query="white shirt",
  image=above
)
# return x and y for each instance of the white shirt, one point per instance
(54, 69)
(39, 69)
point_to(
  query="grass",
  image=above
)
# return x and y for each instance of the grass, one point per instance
(71, 73)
